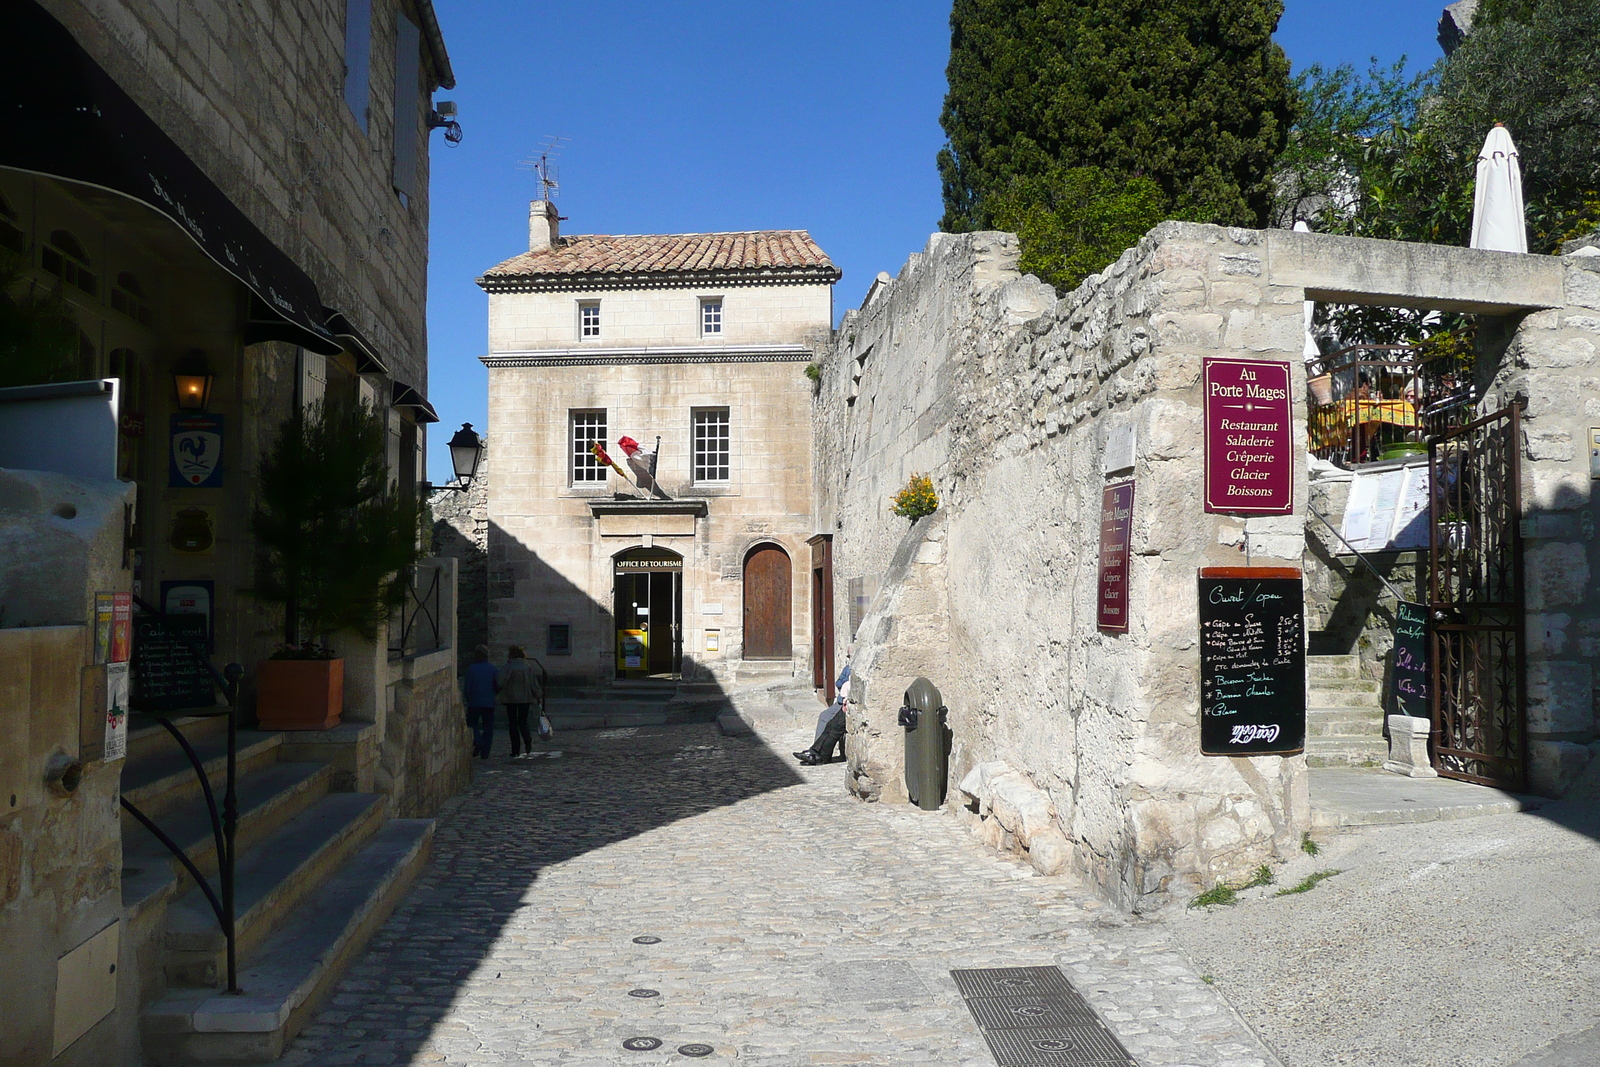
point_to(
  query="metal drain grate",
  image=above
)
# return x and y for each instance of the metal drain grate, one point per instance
(1032, 1017)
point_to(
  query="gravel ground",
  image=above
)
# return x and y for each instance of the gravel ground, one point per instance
(1473, 943)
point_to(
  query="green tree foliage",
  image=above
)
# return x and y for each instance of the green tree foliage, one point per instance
(335, 543)
(1074, 221)
(1191, 95)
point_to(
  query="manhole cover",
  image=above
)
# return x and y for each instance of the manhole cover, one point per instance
(641, 1044)
(1059, 1046)
(647, 939)
(1026, 1013)
(644, 994)
(695, 1050)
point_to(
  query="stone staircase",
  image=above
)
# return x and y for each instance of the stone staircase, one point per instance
(316, 873)
(1344, 714)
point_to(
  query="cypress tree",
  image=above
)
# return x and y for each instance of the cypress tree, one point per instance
(1189, 94)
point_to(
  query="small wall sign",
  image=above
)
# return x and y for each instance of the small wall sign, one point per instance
(1249, 437)
(196, 453)
(1116, 532)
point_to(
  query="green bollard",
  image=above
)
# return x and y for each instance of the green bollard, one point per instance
(923, 716)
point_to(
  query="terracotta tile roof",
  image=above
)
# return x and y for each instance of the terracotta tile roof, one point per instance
(788, 255)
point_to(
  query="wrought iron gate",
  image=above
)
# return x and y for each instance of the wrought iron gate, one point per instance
(1476, 600)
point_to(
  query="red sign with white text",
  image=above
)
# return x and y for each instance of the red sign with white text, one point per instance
(1249, 437)
(1116, 532)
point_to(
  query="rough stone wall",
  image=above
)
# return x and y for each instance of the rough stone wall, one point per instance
(428, 749)
(60, 842)
(1005, 395)
(461, 532)
(1553, 359)
(253, 93)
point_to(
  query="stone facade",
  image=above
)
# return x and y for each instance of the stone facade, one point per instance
(1082, 741)
(653, 369)
(247, 105)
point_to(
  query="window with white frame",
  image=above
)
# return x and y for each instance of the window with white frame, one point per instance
(589, 319)
(711, 445)
(711, 316)
(588, 429)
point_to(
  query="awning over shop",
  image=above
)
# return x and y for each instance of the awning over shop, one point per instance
(407, 397)
(63, 117)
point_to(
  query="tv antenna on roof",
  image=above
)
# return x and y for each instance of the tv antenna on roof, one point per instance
(544, 167)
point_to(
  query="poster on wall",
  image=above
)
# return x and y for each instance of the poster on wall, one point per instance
(103, 615)
(116, 746)
(195, 459)
(1116, 533)
(1250, 450)
(1252, 661)
(190, 597)
(121, 628)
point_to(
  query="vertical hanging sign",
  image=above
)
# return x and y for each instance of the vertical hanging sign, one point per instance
(1116, 532)
(1249, 437)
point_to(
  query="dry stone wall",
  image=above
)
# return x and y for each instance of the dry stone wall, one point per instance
(964, 369)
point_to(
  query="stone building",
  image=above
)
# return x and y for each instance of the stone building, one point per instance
(1080, 745)
(696, 347)
(230, 205)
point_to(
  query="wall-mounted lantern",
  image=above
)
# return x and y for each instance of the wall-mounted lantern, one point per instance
(191, 381)
(466, 450)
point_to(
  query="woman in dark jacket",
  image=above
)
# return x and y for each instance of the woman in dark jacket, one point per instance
(519, 688)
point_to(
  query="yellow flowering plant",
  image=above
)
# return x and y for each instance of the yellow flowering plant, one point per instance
(917, 498)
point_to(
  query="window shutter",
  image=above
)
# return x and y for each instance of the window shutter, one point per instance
(407, 93)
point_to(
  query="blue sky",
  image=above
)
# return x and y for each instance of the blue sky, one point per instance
(695, 115)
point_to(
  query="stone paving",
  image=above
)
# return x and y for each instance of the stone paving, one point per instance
(797, 924)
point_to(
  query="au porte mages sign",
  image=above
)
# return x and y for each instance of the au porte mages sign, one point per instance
(1249, 437)
(1116, 530)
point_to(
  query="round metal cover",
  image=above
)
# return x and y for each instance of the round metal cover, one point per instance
(1030, 1010)
(1053, 1044)
(647, 939)
(644, 994)
(696, 1049)
(641, 1044)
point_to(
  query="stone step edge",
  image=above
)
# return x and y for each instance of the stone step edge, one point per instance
(288, 976)
(252, 746)
(294, 782)
(192, 929)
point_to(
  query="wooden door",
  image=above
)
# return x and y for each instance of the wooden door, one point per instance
(766, 604)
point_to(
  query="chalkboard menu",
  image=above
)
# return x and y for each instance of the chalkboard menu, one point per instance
(1411, 675)
(1252, 661)
(168, 673)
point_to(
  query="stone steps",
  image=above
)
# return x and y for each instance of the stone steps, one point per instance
(269, 881)
(295, 969)
(317, 871)
(267, 798)
(1344, 714)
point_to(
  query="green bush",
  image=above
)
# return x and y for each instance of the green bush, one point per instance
(335, 543)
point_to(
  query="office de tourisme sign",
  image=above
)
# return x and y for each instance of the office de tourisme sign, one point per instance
(1249, 443)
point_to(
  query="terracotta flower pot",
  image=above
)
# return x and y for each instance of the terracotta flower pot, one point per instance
(299, 694)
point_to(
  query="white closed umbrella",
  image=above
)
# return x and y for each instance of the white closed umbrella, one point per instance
(1497, 215)
(1312, 350)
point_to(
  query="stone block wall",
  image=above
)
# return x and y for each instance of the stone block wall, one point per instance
(1553, 359)
(1006, 395)
(253, 93)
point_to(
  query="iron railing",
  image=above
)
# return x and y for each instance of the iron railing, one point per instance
(1367, 399)
(224, 825)
(419, 625)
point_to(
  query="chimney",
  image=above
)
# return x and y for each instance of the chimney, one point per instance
(544, 225)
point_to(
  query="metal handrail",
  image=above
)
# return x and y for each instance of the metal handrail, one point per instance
(424, 605)
(224, 827)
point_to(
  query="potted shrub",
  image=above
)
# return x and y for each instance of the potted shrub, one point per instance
(335, 544)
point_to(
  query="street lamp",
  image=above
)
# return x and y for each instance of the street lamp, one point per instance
(191, 381)
(466, 450)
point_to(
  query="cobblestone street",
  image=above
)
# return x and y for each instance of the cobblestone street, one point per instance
(797, 925)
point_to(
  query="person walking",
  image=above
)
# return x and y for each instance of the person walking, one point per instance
(478, 688)
(519, 688)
